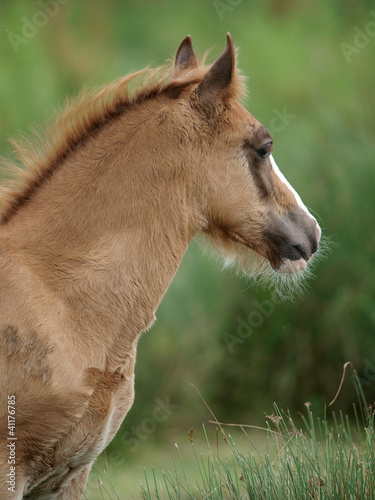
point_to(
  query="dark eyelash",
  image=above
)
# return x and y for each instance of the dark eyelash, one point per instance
(265, 150)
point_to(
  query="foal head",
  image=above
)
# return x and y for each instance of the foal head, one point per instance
(247, 205)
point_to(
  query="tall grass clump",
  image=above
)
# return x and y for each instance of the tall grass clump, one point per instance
(331, 457)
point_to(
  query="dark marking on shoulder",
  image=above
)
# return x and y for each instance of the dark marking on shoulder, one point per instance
(10, 338)
(28, 353)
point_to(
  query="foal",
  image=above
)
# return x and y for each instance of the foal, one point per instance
(92, 232)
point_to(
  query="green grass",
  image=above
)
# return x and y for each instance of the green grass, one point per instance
(301, 457)
(321, 460)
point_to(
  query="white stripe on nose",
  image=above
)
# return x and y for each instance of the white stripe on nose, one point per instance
(284, 181)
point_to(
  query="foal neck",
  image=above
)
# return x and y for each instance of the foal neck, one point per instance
(107, 232)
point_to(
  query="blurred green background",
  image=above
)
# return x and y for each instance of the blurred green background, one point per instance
(311, 74)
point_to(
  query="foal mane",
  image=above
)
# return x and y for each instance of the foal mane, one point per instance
(39, 156)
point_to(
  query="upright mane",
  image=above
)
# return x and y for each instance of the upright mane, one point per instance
(80, 118)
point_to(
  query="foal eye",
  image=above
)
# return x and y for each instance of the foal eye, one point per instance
(265, 150)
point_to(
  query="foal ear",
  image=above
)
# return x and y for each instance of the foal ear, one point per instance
(221, 74)
(185, 56)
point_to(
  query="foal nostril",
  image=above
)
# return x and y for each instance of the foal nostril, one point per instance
(300, 252)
